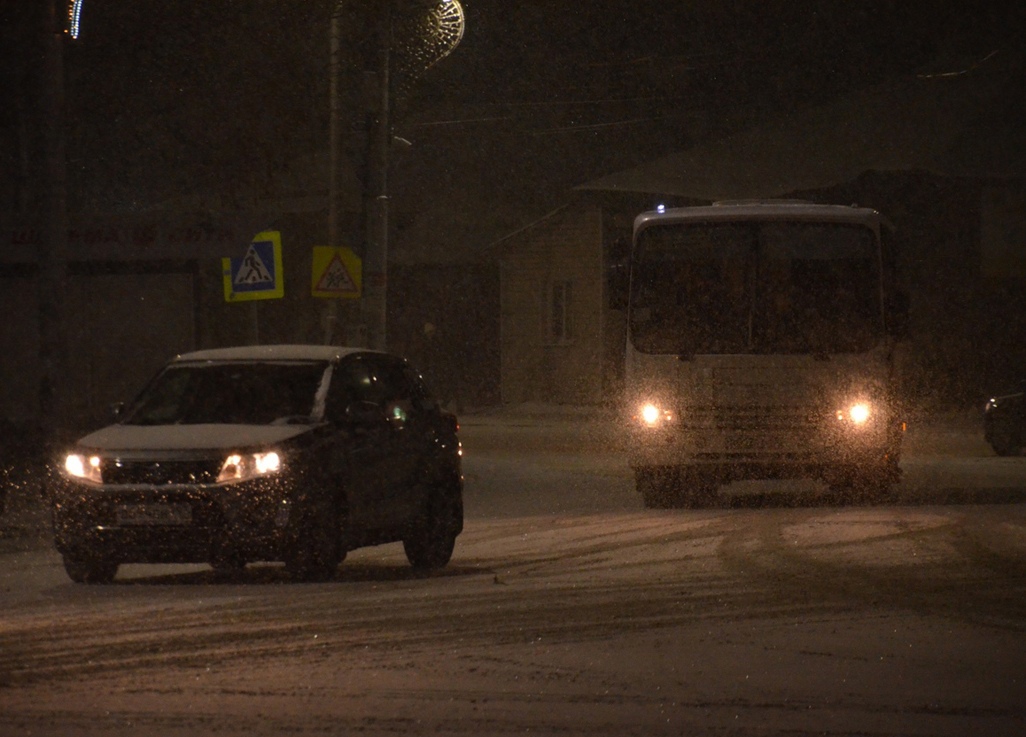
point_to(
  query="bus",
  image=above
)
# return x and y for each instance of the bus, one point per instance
(762, 342)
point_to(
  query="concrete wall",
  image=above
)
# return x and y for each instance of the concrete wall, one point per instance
(19, 347)
(118, 330)
(136, 295)
(565, 248)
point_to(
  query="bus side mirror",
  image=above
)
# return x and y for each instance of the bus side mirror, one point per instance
(618, 280)
(897, 315)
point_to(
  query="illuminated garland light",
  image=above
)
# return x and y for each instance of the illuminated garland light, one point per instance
(74, 17)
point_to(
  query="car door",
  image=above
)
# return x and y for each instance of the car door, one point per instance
(368, 402)
(423, 442)
(408, 430)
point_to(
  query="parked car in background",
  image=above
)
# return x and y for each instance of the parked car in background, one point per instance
(289, 453)
(1004, 421)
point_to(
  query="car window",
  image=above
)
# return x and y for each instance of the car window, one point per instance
(386, 381)
(419, 392)
(229, 393)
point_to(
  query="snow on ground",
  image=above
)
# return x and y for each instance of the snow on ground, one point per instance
(567, 609)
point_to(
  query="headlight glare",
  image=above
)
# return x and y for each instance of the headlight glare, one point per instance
(84, 467)
(858, 413)
(267, 462)
(245, 466)
(652, 415)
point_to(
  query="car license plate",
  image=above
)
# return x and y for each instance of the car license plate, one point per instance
(154, 514)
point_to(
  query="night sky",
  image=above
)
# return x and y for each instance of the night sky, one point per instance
(165, 98)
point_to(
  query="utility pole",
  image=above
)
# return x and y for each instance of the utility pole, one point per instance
(412, 35)
(375, 256)
(375, 272)
(335, 156)
(53, 250)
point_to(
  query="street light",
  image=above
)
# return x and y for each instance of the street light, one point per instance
(74, 17)
(421, 39)
(420, 33)
(53, 252)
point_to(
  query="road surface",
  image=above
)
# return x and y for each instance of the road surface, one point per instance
(567, 609)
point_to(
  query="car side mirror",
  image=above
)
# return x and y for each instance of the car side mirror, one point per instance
(452, 423)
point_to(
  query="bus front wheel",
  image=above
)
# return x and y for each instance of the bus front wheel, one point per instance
(657, 486)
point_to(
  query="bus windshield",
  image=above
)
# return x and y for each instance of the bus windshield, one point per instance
(755, 287)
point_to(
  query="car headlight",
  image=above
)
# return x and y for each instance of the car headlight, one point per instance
(86, 468)
(245, 466)
(858, 413)
(653, 415)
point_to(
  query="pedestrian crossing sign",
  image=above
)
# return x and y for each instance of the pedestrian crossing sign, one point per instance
(337, 273)
(258, 274)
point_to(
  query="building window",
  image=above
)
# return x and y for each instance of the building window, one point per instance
(561, 324)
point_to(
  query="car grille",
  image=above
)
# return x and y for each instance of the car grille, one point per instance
(160, 473)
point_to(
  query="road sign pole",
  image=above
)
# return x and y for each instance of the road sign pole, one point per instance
(256, 323)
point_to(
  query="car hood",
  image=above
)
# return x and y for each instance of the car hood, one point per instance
(189, 437)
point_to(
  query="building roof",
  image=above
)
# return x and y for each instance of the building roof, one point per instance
(970, 124)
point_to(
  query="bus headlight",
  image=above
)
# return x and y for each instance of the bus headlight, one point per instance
(858, 413)
(653, 415)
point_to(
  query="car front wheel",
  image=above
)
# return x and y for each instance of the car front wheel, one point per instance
(430, 544)
(1005, 443)
(90, 570)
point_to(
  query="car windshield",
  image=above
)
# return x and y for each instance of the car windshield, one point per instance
(755, 288)
(246, 393)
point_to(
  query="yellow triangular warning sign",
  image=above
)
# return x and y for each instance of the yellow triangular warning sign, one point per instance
(336, 273)
(336, 278)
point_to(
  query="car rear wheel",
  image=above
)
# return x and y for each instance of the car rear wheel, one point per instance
(430, 544)
(90, 570)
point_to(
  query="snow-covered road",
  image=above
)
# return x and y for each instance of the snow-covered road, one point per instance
(567, 609)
